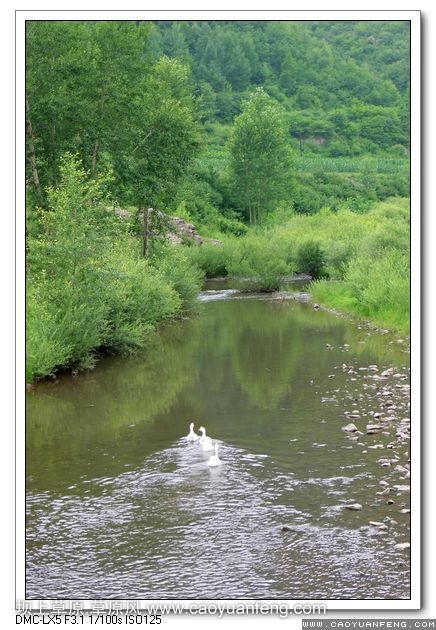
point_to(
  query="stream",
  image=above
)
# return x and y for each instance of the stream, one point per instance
(119, 505)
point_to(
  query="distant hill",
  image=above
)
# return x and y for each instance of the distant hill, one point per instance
(345, 84)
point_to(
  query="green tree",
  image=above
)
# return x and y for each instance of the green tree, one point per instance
(260, 156)
(83, 79)
(92, 90)
(162, 137)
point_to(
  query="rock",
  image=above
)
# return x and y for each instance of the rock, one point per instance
(403, 436)
(402, 488)
(123, 213)
(385, 492)
(386, 463)
(354, 507)
(373, 427)
(181, 229)
(350, 428)
(378, 524)
(401, 469)
(388, 372)
(405, 511)
(402, 546)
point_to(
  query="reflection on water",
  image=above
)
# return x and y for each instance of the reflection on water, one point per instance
(119, 505)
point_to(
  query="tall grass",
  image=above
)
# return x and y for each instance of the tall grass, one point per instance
(376, 280)
(366, 258)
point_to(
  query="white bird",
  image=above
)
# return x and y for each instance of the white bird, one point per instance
(214, 460)
(192, 436)
(205, 440)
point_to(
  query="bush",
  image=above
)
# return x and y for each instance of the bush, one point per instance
(183, 275)
(259, 261)
(45, 345)
(232, 226)
(87, 286)
(311, 259)
(211, 259)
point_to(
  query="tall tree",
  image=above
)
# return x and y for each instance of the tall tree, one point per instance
(260, 155)
(82, 80)
(162, 137)
(93, 90)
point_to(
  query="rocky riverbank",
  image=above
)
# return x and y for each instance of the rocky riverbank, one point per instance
(374, 416)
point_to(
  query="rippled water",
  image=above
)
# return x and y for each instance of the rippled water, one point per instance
(120, 505)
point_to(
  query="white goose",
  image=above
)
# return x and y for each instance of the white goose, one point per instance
(205, 441)
(214, 460)
(192, 436)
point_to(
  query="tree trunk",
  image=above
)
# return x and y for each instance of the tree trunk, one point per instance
(32, 156)
(146, 234)
(94, 157)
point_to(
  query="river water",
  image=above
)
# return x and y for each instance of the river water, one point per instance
(120, 505)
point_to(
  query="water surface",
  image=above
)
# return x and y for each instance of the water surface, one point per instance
(120, 505)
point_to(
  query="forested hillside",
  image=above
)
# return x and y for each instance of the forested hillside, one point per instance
(137, 98)
(345, 85)
(236, 126)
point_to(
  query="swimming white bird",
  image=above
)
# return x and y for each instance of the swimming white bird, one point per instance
(205, 441)
(192, 436)
(214, 460)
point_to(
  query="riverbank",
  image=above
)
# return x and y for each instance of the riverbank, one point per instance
(88, 289)
(360, 263)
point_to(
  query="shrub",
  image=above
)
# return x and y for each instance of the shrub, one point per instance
(311, 259)
(232, 226)
(211, 259)
(88, 287)
(45, 346)
(259, 261)
(183, 275)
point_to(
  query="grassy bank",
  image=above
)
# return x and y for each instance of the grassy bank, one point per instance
(88, 289)
(360, 262)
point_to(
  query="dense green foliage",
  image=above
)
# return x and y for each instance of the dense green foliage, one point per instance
(260, 160)
(278, 138)
(87, 286)
(91, 90)
(343, 83)
(366, 258)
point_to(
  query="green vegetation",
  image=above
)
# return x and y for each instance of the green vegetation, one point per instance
(260, 157)
(287, 141)
(88, 287)
(362, 260)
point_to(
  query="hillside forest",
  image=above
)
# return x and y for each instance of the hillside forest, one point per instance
(286, 144)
